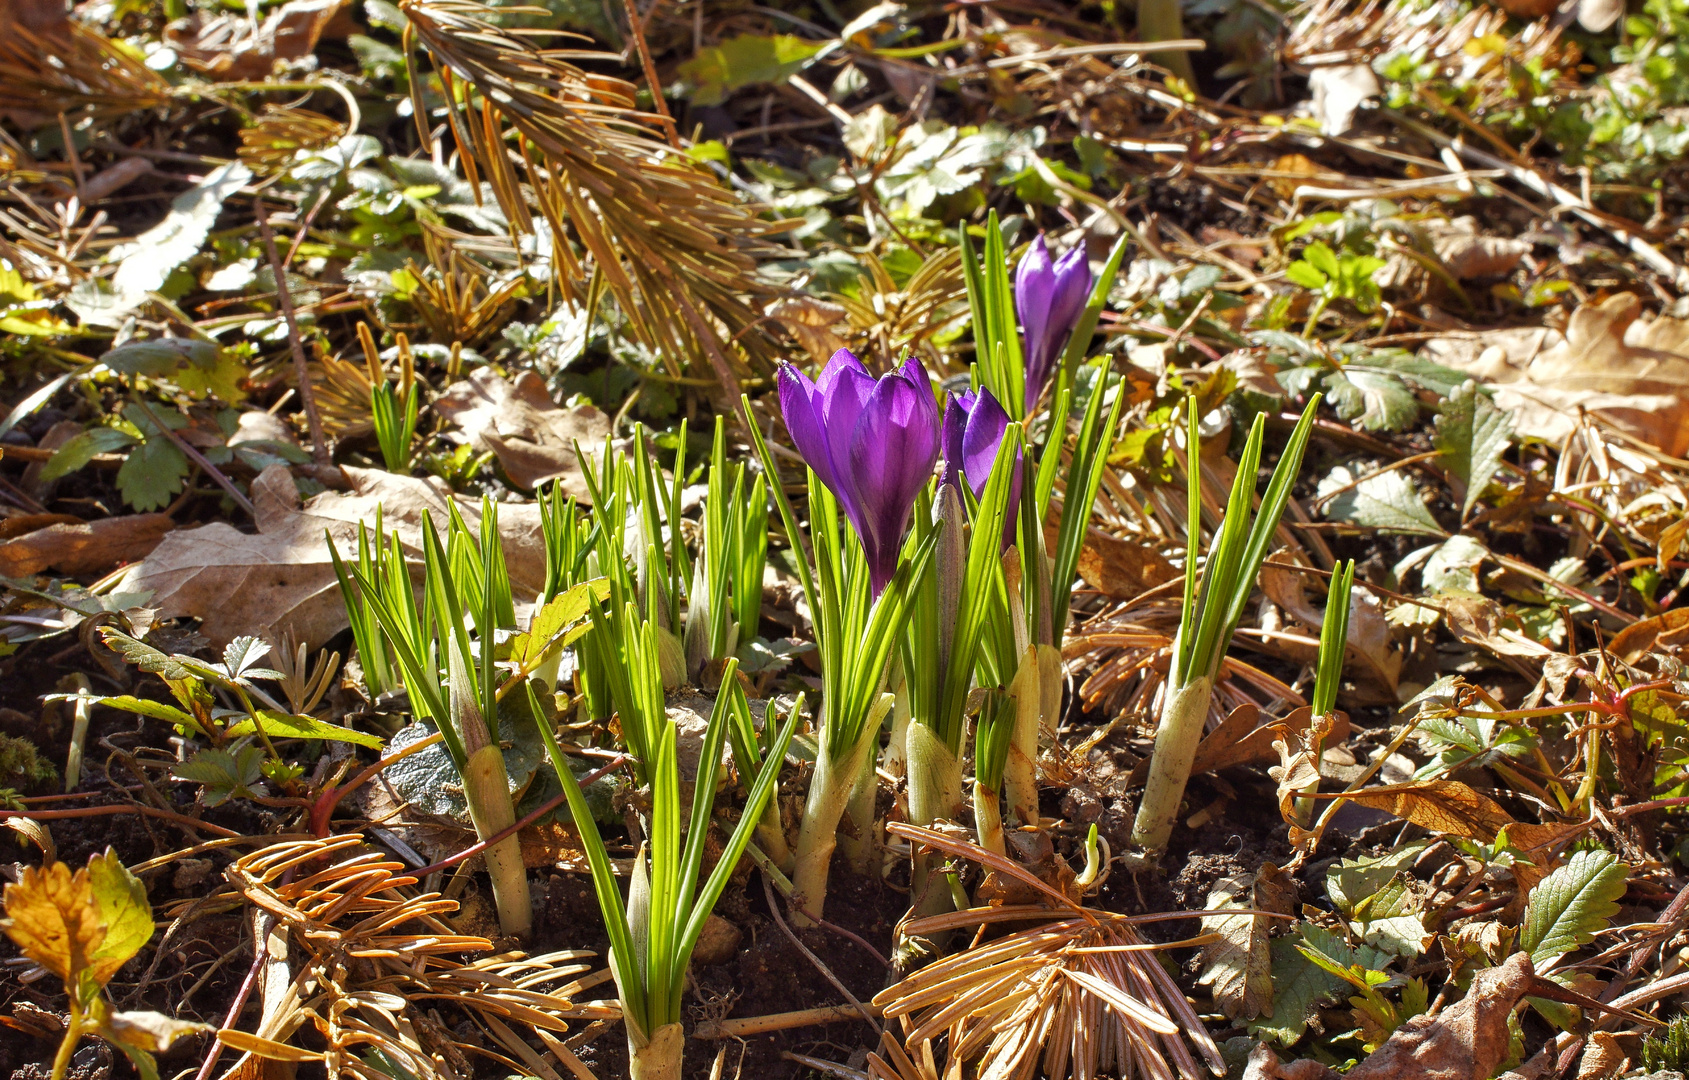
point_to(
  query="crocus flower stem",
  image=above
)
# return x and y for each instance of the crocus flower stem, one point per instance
(871, 446)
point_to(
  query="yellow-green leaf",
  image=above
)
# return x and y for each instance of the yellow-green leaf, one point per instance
(121, 901)
(280, 725)
(553, 625)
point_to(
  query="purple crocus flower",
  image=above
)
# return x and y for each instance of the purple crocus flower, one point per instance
(1049, 299)
(974, 424)
(872, 442)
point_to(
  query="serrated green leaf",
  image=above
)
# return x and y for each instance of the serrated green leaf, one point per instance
(240, 654)
(1305, 275)
(1389, 919)
(152, 475)
(1378, 400)
(1389, 502)
(280, 725)
(81, 449)
(1453, 567)
(547, 631)
(144, 656)
(1300, 986)
(1351, 881)
(1472, 435)
(225, 773)
(1571, 905)
(1320, 256)
(161, 357)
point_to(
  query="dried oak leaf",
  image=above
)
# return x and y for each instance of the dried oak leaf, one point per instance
(281, 579)
(1632, 374)
(532, 435)
(1441, 806)
(1466, 1041)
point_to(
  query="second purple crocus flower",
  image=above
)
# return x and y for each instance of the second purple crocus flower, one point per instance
(872, 442)
(1049, 298)
(974, 424)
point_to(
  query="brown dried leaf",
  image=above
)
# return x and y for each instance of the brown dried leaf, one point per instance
(281, 580)
(1300, 740)
(1667, 632)
(532, 435)
(1477, 620)
(1633, 374)
(1241, 739)
(811, 320)
(1239, 965)
(1467, 253)
(1448, 807)
(1121, 569)
(1602, 1057)
(82, 547)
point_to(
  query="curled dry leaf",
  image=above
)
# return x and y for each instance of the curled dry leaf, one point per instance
(1121, 568)
(281, 579)
(1631, 373)
(1239, 964)
(1244, 738)
(1478, 620)
(1667, 632)
(533, 437)
(811, 320)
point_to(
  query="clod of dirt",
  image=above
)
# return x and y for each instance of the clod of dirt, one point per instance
(717, 943)
(1466, 1041)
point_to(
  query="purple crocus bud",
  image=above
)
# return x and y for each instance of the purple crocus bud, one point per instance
(1049, 300)
(974, 424)
(872, 442)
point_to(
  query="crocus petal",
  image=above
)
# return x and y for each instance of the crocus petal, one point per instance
(800, 408)
(980, 438)
(956, 411)
(892, 453)
(1049, 298)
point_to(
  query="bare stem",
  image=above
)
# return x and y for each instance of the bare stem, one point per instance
(319, 443)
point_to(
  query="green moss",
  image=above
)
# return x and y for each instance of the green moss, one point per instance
(1669, 1049)
(22, 766)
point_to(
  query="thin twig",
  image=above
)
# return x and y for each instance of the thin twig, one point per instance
(126, 808)
(260, 951)
(319, 443)
(193, 455)
(637, 28)
(780, 921)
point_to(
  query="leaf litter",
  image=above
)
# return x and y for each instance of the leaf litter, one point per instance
(1466, 232)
